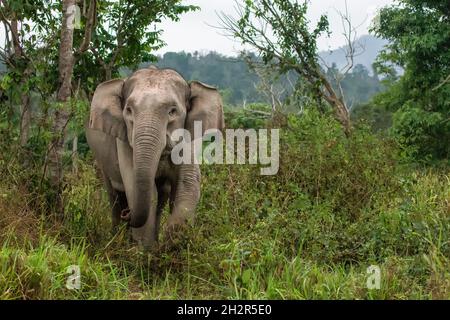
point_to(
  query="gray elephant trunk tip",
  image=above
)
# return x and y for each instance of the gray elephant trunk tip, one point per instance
(125, 215)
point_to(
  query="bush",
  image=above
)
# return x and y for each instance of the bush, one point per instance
(87, 211)
(254, 116)
(423, 134)
(336, 206)
(347, 174)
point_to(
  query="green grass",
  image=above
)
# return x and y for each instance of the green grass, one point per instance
(40, 271)
(336, 207)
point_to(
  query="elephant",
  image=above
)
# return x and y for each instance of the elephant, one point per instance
(129, 132)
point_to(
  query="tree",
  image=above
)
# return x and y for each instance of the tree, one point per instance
(30, 55)
(65, 71)
(126, 34)
(419, 35)
(227, 73)
(246, 80)
(280, 33)
(116, 34)
(69, 47)
(14, 55)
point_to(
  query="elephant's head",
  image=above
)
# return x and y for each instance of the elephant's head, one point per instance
(144, 110)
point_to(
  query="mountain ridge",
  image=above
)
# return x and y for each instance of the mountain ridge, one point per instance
(371, 48)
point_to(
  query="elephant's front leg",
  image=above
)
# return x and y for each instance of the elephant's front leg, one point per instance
(147, 236)
(186, 196)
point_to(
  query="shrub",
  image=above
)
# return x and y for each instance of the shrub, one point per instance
(86, 207)
(336, 206)
(253, 116)
(348, 174)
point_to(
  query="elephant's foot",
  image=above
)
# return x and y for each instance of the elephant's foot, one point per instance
(144, 242)
(176, 234)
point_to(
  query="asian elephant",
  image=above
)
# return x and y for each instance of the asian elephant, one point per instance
(129, 130)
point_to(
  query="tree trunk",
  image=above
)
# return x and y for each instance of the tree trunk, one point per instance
(340, 109)
(343, 116)
(108, 73)
(62, 114)
(25, 112)
(75, 155)
(25, 119)
(15, 38)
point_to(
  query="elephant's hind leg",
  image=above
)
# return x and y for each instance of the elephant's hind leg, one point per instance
(163, 195)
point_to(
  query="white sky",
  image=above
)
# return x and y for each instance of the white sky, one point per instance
(194, 32)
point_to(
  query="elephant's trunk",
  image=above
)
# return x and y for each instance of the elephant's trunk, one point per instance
(149, 142)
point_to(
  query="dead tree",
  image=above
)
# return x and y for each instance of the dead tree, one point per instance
(352, 49)
(280, 33)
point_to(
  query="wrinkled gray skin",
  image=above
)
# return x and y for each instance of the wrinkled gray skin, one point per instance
(129, 133)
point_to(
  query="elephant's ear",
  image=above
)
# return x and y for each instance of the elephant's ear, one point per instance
(106, 109)
(205, 105)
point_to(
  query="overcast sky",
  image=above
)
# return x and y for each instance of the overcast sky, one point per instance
(194, 32)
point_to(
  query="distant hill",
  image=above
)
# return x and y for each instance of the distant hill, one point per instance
(372, 46)
(239, 84)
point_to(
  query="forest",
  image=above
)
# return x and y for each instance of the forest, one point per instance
(359, 207)
(240, 84)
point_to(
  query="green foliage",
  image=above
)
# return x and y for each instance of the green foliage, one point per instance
(377, 117)
(329, 166)
(40, 272)
(424, 134)
(336, 206)
(240, 84)
(419, 34)
(230, 74)
(282, 36)
(126, 35)
(86, 209)
(289, 25)
(254, 116)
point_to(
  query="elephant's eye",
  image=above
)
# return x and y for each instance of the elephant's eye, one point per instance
(128, 110)
(172, 111)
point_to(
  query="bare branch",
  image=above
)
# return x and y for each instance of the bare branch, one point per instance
(90, 24)
(446, 80)
(351, 49)
(278, 31)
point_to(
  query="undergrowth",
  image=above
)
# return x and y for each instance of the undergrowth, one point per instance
(337, 206)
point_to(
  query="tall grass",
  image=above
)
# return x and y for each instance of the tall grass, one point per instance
(336, 207)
